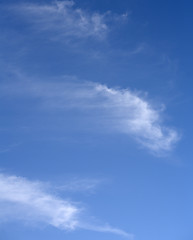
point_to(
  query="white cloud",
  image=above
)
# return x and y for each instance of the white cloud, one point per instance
(80, 185)
(36, 203)
(120, 109)
(136, 116)
(65, 19)
(108, 228)
(21, 199)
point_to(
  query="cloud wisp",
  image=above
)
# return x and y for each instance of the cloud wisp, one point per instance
(28, 201)
(121, 110)
(80, 185)
(67, 20)
(31, 199)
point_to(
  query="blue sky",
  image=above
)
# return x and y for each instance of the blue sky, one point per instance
(96, 123)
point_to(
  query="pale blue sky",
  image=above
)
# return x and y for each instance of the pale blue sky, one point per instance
(96, 123)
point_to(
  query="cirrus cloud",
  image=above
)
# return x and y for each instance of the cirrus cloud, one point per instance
(120, 110)
(64, 19)
(31, 201)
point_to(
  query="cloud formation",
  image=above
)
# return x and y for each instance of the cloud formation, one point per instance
(21, 199)
(80, 185)
(33, 201)
(119, 109)
(64, 18)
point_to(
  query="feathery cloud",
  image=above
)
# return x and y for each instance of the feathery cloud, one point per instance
(121, 109)
(35, 204)
(67, 20)
(80, 185)
(21, 199)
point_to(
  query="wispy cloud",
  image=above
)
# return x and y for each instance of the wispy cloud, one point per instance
(8, 148)
(35, 204)
(122, 110)
(21, 199)
(67, 20)
(80, 185)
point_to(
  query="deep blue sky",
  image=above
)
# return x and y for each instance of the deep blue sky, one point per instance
(95, 103)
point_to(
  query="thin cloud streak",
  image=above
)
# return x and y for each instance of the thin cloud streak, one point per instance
(108, 228)
(120, 109)
(80, 185)
(35, 203)
(28, 201)
(67, 20)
